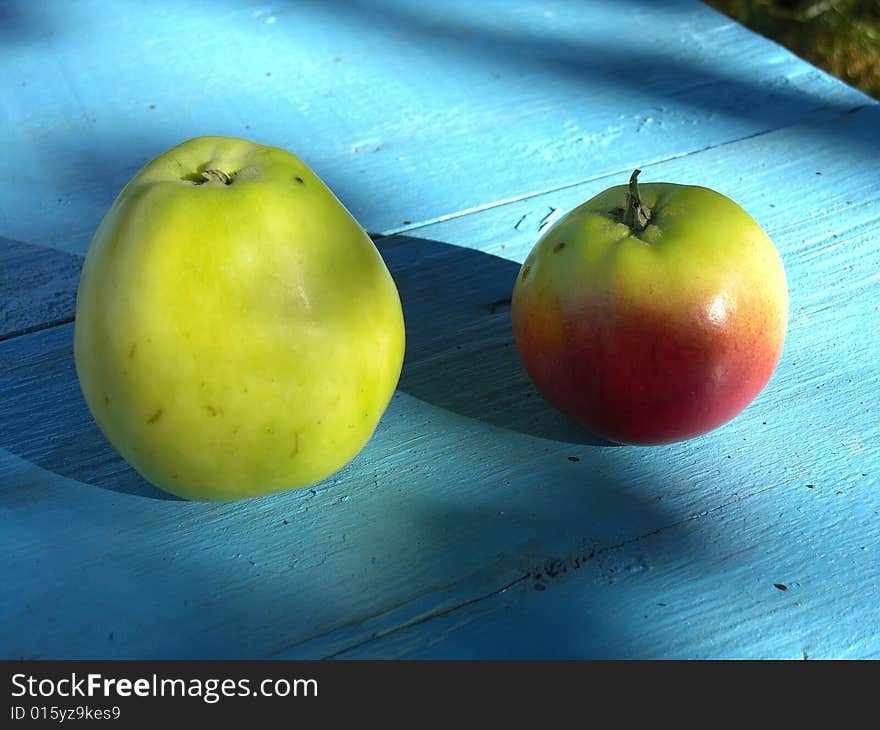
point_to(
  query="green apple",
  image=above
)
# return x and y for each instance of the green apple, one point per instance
(237, 332)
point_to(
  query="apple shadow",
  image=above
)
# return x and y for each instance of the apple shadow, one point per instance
(586, 522)
(460, 356)
(53, 427)
(460, 351)
(587, 529)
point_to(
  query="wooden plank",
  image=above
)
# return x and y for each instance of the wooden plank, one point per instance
(37, 287)
(467, 491)
(802, 498)
(410, 113)
(749, 581)
(38, 284)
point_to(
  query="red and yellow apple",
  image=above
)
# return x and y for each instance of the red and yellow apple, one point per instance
(651, 314)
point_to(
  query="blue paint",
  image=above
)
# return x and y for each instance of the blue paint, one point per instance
(37, 287)
(408, 112)
(476, 522)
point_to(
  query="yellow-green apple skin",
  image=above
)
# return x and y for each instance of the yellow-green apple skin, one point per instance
(655, 335)
(237, 332)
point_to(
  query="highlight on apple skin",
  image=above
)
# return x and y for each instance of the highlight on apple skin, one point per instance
(237, 332)
(651, 313)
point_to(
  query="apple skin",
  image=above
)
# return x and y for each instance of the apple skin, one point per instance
(655, 336)
(233, 340)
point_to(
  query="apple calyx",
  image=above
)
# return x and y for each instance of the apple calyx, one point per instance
(636, 215)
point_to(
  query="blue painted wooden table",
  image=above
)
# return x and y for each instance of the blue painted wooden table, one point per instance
(456, 131)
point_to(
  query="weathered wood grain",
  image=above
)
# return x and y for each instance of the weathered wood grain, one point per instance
(410, 112)
(752, 581)
(37, 287)
(432, 541)
(812, 523)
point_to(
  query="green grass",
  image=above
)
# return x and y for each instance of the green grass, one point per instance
(841, 36)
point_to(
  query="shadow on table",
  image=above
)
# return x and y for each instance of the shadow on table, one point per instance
(651, 71)
(460, 529)
(54, 428)
(460, 351)
(24, 22)
(460, 356)
(597, 530)
(307, 574)
(464, 547)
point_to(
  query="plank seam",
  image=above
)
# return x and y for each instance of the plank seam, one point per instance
(614, 173)
(431, 616)
(36, 328)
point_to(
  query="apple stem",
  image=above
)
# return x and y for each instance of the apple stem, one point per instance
(636, 215)
(214, 175)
